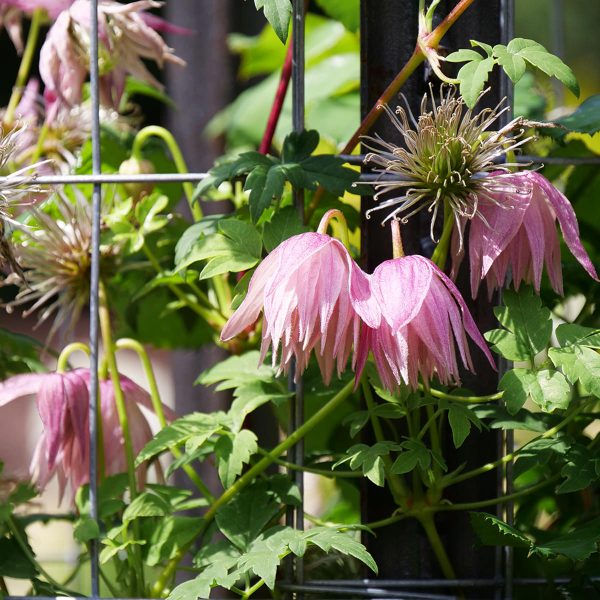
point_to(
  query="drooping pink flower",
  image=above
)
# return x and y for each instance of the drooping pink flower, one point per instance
(515, 227)
(304, 290)
(63, 403)
(125, 39)
(421, 320)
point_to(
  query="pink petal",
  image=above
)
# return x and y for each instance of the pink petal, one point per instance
(20, 386)
(567, 221)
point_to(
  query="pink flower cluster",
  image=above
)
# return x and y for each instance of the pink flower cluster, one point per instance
(408, 313)
(62, 401)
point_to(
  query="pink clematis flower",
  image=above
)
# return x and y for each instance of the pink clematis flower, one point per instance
(421, 319)
(126, 38)
(515, 227)
(63, 402)
(304, 290)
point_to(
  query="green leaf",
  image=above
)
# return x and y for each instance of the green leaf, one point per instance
(278, 13)
(330, 538)
(237, 370)
(194, 426)
(528, 326)
(368, 459)
(547, 388)
(536, 55)
(265, 184)
(13, 561)
(485, 47)
(346, 12)
(285, 223)
(579, 363)
(243, 518)
(262, 561)
(514, 66)
(232, 453)
(328, 172)
(415, 453)
(464, 55)
(586, 119)
(580, 470)
(86, 529)
(171, 534)
(461, 418)
(473, 76)
(577, 545)
(501, 419)
(570, 334)
(492, 531)
(147, 504)
(299, 145)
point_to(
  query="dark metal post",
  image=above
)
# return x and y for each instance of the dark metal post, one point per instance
(388, 35)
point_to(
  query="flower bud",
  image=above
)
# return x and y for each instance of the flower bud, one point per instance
(134, 166)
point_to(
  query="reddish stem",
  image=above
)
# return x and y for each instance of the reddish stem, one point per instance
(284, 82)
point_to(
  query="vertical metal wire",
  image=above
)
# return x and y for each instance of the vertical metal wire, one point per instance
(94, 289)
(295, 517)
(507, 439)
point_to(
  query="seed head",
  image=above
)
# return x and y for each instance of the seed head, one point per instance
(448, 156)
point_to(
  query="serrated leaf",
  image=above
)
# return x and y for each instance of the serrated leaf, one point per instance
(461, 418)
(171, 534)
(577, 545)
(146, 504)
(579, 471)
(514, 65)
(263, 562)
(368, 459)
(329, 538)
(86, 529)
(501, 419)
(414, 453)
(536, 55)
(492, 531)
(265, 184)
(472, 77)
(249, 396)
(232, 453)
(528, 326)
(278, 13)
(237, 370)
(579, 363)
(548, 389)
(299, 145)
(586, 119)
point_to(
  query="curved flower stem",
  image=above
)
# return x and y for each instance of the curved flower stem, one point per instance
(39, 147)
(25, 66)
(338, 215)
(440, 254)
(397, 487)
(135, 346)
(165, 135)
(428, 523)
(428, 423)
(432, 40)
(16, 533)
(248, 592)
(62, 363)
(167, 573)
(509, 457)
(109, 351)
(464, 399)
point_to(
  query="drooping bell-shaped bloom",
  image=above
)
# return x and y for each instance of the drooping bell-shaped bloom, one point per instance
(420, 323)
(304, 290)
(515, 228)
(63, 405)
(125, 39)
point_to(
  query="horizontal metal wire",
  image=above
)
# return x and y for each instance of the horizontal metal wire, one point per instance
(108, 178)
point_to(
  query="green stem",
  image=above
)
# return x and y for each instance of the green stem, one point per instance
(109, 351)
(247, 478)
(39, 147)
(464, 399)
(397, 247)
(16, 533)
(62, 364)
(255, 587)
(440, 254)
(135, 346)
(429, 422)
(322, 472)
(509, 457)
(428, 523)
(25, 66)
(499, 499)
(434, 438)
(214, 318)
(164, 134)
(397, 487)
(387, 521)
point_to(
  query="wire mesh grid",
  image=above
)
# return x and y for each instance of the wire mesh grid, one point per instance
(294, 586)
